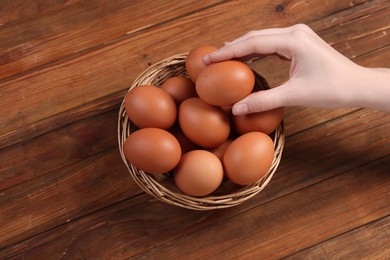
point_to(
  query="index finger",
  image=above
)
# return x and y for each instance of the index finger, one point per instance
(268, 31)
(259, 44)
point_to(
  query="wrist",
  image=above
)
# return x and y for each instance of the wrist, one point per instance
(370, 88)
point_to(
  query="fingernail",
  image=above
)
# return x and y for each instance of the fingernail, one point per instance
(226, 43)
(206, 59)
(240, 109)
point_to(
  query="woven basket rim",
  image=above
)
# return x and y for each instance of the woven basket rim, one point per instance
(151, 183)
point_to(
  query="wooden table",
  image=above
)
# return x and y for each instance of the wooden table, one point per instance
(65, 193)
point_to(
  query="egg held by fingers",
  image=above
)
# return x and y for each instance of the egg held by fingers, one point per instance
(225, 83)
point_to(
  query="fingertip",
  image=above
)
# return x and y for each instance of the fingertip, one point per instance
(206, 59)
(256, 102)
(240, 109)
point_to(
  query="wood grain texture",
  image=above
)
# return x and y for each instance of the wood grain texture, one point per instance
(57, 149)
(59, 197)
(368, 242)
(349, 39)
(103, 72)
(310, 157)
(81, 28)
(66, 65)
(280, 228)
(19, 10)
(271, 230)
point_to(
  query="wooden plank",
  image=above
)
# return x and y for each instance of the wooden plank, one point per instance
(59, 197)
(17, 10)
(45, 125)
(55, 150)
(271, 230)
(367, 242)
(374, 60)
(293, 222)
(86, 25)
(309, 157)
(355, 41)
(31, 101)
(336, 146)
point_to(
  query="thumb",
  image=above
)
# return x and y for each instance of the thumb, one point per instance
(263, 100)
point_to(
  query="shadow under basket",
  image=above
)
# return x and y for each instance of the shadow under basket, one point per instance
(162, 186)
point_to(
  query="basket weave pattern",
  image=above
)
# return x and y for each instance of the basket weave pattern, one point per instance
(161, 186)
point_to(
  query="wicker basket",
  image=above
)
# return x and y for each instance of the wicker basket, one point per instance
(162, 187)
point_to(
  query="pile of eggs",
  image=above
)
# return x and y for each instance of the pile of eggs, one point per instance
(186, 127)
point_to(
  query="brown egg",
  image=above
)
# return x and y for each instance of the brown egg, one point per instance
(150, 106)
(194, 63)
(224, 83)
(199, 173)
(152, 150)
(180, 88)
(219, 151)
(265, 122)
(205, 125)
(248, 158)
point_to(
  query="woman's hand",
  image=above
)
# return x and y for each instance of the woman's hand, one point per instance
(319, 75)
